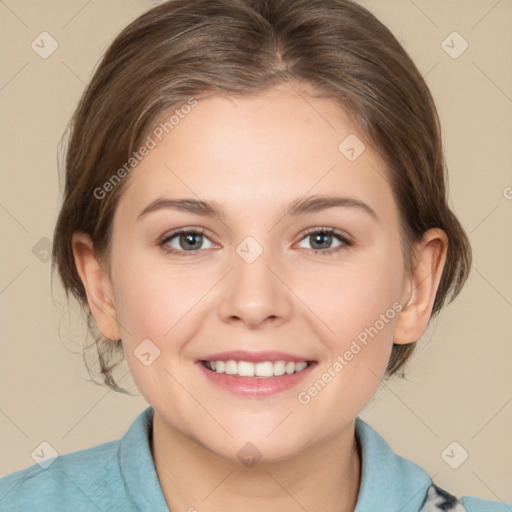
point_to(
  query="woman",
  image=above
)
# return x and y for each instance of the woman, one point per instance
(255, 215)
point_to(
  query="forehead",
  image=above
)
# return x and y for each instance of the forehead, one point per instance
(260, 152)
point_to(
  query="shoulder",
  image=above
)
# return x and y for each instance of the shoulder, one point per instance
(473, 504)
(437, 499)
(85, 478)
(118, 476)
(392, 482)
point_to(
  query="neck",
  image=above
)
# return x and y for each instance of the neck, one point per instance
(324, 477)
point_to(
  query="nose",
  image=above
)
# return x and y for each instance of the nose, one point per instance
(255, 293)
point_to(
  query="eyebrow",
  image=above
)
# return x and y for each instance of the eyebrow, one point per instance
(300, 206)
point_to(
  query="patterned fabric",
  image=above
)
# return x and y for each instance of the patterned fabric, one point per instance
(437, 499)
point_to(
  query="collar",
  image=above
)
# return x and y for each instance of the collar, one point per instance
(388, 481)
(137, 465)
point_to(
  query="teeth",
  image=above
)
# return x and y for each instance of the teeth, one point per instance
(300, 366)
(265, 369)
(279, 368)
(231, 367)
(245, 369)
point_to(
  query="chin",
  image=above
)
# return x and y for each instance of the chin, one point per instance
(251, 453)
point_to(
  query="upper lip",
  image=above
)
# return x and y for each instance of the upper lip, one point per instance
(254, 357)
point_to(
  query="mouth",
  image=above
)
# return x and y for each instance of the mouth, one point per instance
(256, 374)
(261, 370)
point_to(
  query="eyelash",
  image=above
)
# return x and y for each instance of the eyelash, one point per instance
(347, 242)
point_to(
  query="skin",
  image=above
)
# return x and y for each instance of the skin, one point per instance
(254, 156)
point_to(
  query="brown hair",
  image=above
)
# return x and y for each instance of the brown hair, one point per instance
(185, 49)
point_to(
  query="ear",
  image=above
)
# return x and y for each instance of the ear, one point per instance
(97, 284)
(420, 292)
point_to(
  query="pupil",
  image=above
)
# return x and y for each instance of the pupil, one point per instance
(321, 238)
(188, 240)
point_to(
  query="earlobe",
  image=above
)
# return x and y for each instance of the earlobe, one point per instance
(97, 284)
(420, 292)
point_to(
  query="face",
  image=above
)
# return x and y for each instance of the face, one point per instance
(265, 280)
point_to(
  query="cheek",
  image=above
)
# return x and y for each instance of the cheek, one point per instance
(159, 303)
(152, 299)
(359, 307)
(352, 299)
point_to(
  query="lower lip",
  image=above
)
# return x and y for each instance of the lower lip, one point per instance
(254, 386)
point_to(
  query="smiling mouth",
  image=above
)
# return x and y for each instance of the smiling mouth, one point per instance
(262, 370)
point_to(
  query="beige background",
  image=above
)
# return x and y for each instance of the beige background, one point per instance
(459, 386)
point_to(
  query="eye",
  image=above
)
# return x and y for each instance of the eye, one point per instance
(185, 241)
(321, 240)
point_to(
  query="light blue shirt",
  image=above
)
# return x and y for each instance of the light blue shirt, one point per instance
(121, 476)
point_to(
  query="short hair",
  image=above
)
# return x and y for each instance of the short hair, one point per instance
(198, 48)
